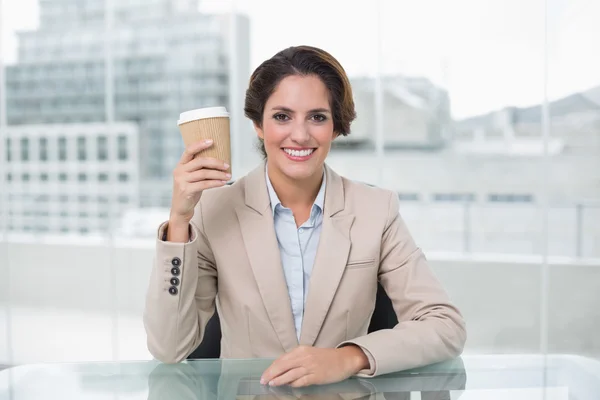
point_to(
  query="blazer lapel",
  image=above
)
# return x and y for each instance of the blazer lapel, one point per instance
(260, 241)
(330, 261)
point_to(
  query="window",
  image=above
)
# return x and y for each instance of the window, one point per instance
(43, 149)
(8, 149)
(454, 197)
(62, 177)
(510, 198)
(102, 143)
(122, 148)
(24, 149)
(9, 177)
(123, 199)
(408, 196)
(44, 177)
(64, 229)
(62, 149)
(82, 177)
(63, 198)
(123, 177)
(83, 214)
(83, 198)
(64, 214)
(81, 153)
(102, 177)
(25, 177)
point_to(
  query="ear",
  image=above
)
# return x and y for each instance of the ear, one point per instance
(259, 131)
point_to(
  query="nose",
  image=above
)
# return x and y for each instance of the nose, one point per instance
(300, 133)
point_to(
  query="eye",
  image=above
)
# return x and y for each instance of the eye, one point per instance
(280, 117)
(319, 118)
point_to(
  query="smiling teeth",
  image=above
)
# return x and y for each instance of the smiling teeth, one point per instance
(299, 153)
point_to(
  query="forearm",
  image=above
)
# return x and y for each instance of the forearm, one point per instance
(180, 300)
(413, 344)
(178, 230)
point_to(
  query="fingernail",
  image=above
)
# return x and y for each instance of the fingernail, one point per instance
(262, 381)
(226, 165)
(208, 141)
(272, 383)
(228, 175)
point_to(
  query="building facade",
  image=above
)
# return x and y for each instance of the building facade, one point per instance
(415, 114)
(70, 179)
(145, 64)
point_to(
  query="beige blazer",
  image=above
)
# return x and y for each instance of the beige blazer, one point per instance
(232, 262)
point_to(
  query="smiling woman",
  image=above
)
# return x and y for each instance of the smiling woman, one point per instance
(293, 250)
(327, 81)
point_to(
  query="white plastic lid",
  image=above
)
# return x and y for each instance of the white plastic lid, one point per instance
(201, 113)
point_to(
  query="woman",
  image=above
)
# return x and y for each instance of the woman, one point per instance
(291, 253)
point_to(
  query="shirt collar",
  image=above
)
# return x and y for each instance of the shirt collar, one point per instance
(319, 200)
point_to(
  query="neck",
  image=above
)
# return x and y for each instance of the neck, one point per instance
(295, 192)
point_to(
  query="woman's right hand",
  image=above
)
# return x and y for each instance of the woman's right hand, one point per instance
(191, 177)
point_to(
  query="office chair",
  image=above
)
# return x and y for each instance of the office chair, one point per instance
(383, 317)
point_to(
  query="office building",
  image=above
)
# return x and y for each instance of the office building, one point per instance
(71, 178)
(145, 64)
(415, 114)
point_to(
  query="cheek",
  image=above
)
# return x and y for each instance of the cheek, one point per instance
(274, 133)
(323, 134)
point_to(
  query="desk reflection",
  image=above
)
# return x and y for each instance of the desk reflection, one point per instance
(239, 380)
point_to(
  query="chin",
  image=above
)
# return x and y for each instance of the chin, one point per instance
(301, 171)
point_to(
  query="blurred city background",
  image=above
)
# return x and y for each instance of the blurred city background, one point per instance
(484, 117)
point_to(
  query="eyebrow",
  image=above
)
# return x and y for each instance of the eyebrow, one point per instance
(315, 110)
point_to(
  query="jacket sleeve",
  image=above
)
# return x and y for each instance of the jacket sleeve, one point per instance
(430, 328)
(181, 294)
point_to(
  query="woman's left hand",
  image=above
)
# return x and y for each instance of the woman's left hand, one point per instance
(307, 365)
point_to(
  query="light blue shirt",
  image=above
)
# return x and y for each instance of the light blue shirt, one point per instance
(298, 248)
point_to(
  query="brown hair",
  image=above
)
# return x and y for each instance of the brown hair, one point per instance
(301, 60)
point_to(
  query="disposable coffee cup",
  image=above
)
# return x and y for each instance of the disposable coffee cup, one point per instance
(208, 123)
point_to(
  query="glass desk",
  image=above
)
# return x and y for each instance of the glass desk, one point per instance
(513, 377)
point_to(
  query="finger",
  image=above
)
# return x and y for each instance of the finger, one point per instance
(207, 174)
(277, 368)
(197, 187)
(205, 162)
(305, 380)
(288, 377)
(193, 149)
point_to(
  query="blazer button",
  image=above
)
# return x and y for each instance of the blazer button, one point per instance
(175, 271)
(175, 281)
(176, 261)
(173, 290)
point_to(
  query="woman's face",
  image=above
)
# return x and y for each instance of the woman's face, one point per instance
(297, 127)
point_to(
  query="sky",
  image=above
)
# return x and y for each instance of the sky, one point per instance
(488, 53)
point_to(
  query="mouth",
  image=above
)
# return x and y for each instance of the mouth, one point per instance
(298, 154)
